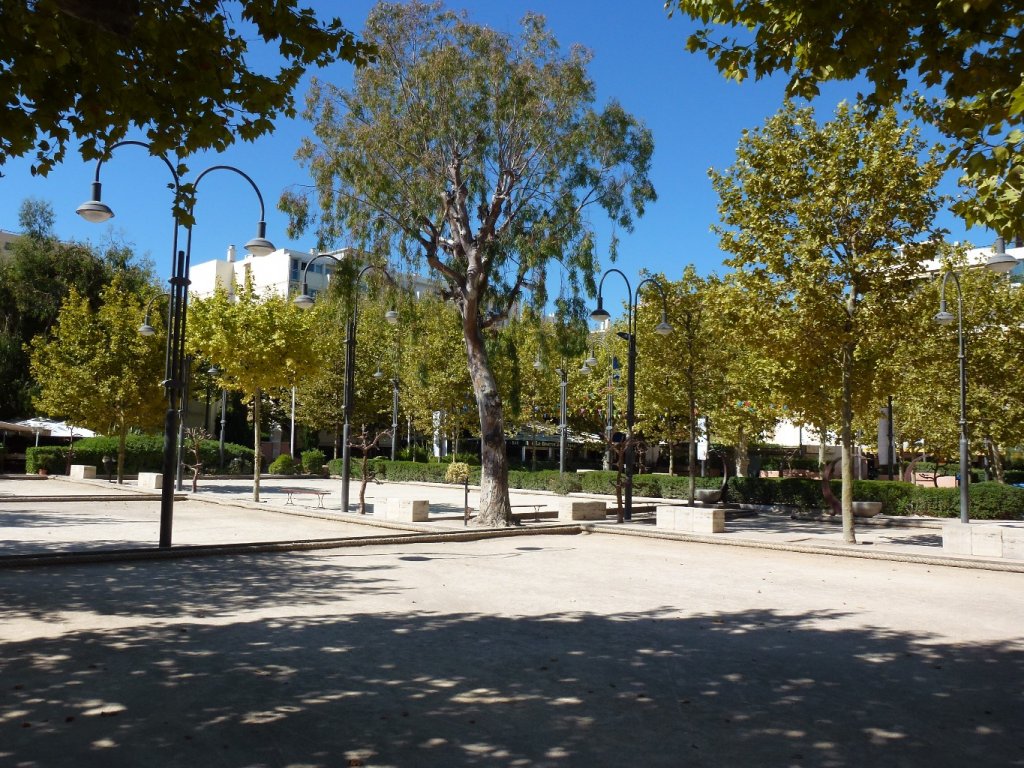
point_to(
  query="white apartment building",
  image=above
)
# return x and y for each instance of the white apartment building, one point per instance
(281, 272)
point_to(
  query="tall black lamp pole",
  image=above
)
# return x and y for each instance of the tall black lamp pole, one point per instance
(97, 211)
(663, 328)
(305, 301)
(943, 317)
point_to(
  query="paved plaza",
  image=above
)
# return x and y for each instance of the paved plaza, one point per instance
(531, 650)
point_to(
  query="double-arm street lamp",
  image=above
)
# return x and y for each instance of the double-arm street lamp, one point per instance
(563, 421)
(1000, 261)
(394, 410)
(96, 211)
(944, 317)
(663, 328)
(305, 301)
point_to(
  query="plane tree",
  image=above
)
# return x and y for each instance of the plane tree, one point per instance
(827, 226)
(964, 55)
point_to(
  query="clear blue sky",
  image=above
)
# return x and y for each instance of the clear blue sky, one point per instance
(639, 58)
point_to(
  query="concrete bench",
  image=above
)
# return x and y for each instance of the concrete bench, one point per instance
(690, 519)
(984, 540)
(580, 509)
(406, 510)
(83, 472)
(152, 480)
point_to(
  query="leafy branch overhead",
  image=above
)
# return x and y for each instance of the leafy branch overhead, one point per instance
(178, 72)
(964, 54)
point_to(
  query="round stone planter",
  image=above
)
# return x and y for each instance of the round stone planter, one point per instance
(707, 495)
(866, 508)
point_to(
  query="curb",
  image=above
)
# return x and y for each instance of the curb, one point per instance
(175, 553)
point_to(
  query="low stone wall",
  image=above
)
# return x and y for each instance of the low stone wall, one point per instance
(151, 480)
(983, 540)
(690, 519)
(579, 509)
(398, 510)
(83, 472)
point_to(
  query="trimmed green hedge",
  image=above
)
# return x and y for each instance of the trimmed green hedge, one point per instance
(989, 501)
(143, 453)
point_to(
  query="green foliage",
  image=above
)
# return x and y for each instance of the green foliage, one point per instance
(282, 465)
(963, 54)
(96, 370)
(988, 501)
(481, 153)
(95, 72)
(565, 484)
(313, 461)
(143, 453)
(48, 457)
(36, 277)
(457, 472)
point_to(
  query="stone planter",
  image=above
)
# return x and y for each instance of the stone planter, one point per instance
(707, 495)
(866, 508)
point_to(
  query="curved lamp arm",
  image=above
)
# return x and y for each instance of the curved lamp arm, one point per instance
(146, 329)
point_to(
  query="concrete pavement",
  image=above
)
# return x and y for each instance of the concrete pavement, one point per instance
(222, 513)
(541, 650)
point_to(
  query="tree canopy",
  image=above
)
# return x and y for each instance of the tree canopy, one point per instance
(177, 71)
(827, 226)
(966, 55)
(480, 152)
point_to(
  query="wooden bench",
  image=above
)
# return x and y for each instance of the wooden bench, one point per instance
(292, 492)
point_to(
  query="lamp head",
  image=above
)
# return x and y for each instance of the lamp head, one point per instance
(95, 211)
(599, 314)
(591, 362)
(943, 316)
(585, 368)
(537, 364)
(147, 330)
(663, 328)
(378, 374)
(259, 245)
(391, 316)
(303, 300)
(1000, 261)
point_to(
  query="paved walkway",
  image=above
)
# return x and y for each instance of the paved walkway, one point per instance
(568, 651)
(222, 512)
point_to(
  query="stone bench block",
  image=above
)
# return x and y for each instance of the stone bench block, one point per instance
(987, 540)
(406, 510)
(151, 480)
(578, 509)
(690, 519)
(83, 472)
(956, 538)
(1013, 543)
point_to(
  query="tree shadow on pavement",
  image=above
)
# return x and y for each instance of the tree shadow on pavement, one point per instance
(259, 661)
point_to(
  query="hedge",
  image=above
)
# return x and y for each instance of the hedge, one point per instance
(143, 453)
(988, 501)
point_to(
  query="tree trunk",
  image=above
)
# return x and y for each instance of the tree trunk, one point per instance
(495, 506)
(995, 460)
(822, 447)
(258, 454)
(122, 438)
(742, 454)
(847, 441)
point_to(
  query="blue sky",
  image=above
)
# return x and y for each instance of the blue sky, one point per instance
(639, 58)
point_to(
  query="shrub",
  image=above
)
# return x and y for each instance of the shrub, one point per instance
(598, 482)
(142, 453)
(282, 465)
(565, 484)
(988, 501)
(457, 472)
(313, 461)
(1014, 476)
(52, 458)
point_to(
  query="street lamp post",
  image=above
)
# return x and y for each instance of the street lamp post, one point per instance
(305, 301)
(943, 317)
(394, 411)
(96, 211)
(563, 416)
(215, 371)
(663, 328)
